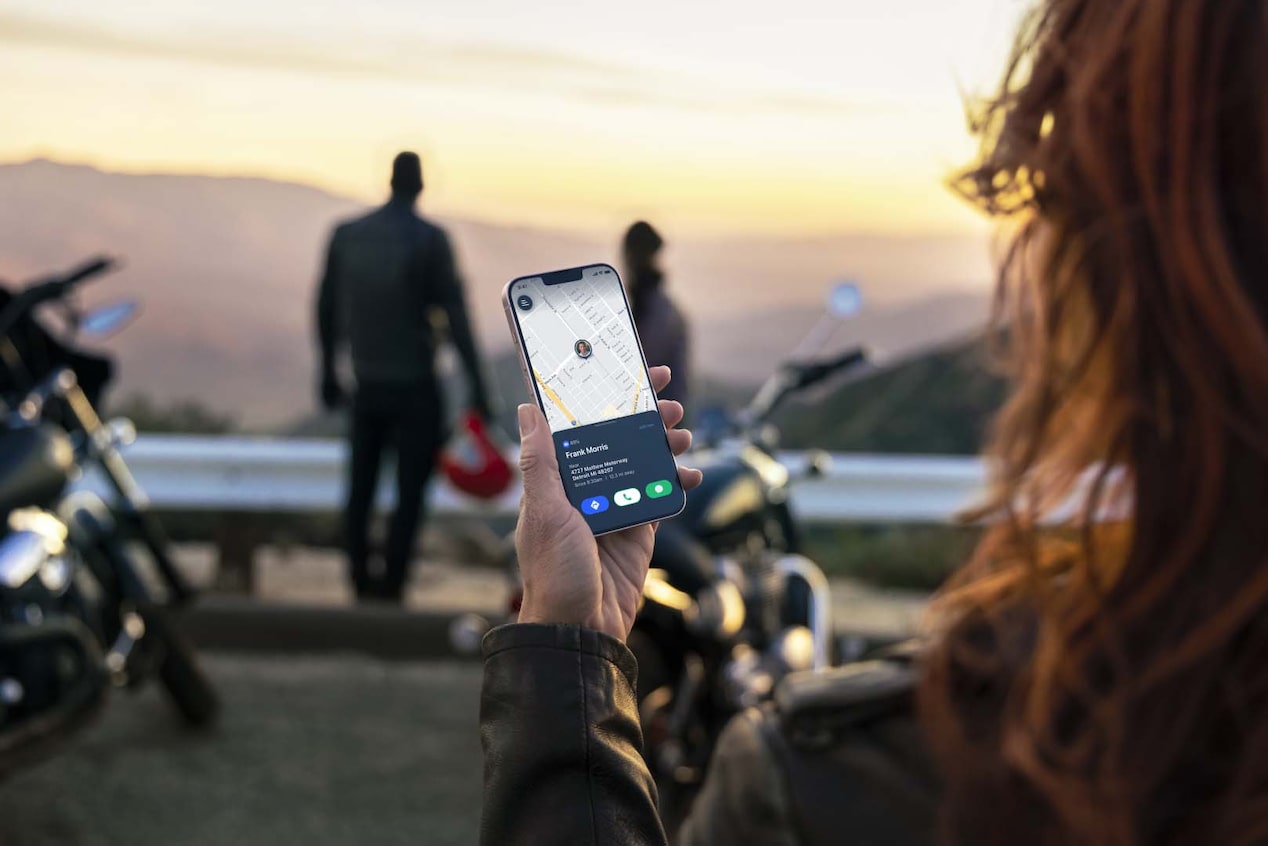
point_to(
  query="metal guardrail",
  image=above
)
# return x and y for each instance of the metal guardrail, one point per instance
(230, 473)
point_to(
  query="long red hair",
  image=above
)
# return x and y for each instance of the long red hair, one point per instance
(1109, 683)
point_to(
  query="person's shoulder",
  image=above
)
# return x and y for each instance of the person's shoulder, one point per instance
(433, 230)
(352, 223)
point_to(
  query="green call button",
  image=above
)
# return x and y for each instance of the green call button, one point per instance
(658, 489)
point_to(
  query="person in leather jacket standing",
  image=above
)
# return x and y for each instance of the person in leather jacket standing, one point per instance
(386, 274)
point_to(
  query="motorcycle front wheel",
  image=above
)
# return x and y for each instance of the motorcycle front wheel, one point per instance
(187, 686)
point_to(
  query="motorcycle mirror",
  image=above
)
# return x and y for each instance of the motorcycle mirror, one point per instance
(845, 299)
(105, 321)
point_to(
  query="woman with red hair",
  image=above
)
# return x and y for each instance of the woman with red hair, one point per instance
(1099, 672)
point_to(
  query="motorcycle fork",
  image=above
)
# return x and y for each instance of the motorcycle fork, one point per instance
(128, 651)
(124, 592)
(132, 503)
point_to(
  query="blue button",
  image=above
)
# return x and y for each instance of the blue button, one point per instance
(594, 505)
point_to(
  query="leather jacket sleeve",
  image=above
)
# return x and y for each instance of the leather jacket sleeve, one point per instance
(559, 727)
(836, 758)
(447, 285)
(327, 331)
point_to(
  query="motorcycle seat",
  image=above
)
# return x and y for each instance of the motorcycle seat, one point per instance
(816, 706)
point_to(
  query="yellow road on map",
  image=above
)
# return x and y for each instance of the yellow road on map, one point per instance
(554, 397)
(638, 392)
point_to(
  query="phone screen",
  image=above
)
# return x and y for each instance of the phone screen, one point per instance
(585, 366)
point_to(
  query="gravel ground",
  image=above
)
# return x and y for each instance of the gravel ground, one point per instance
(312, 750)
(331, 749)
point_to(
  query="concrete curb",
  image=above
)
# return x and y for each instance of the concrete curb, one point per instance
(244, 625)
(220, 624)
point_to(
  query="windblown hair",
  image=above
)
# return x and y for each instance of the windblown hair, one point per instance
(1099, 671)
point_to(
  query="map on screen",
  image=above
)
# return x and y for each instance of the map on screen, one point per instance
(582, 350)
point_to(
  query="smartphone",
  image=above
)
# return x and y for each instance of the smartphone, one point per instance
(583, 363)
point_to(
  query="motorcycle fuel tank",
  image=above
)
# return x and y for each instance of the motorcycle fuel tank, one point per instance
(733, 502)
(35, 466)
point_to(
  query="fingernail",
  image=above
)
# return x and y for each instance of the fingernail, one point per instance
(527, 419)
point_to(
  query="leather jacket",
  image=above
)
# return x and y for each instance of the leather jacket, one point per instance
(837, 758)
(385, 275)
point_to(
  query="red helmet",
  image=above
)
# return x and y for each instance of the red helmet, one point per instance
(473, 462)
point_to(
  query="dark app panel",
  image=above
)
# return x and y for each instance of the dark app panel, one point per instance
(620, 472)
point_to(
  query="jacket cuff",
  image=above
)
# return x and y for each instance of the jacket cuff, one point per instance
(568, 637)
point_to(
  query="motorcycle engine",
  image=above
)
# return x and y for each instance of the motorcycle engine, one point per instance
(750, 677)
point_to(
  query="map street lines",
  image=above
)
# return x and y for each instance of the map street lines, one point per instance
(609, 382)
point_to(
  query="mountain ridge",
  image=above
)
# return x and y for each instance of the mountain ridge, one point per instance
(226, 268)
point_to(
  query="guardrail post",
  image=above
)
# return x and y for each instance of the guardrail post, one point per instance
(238, 536)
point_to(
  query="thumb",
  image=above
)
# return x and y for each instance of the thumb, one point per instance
(538, 461)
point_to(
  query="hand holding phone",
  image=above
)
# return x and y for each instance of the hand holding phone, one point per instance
(583, 363)
(571, 576)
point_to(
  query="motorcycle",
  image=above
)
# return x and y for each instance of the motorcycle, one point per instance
(731, 605)
(78, 613)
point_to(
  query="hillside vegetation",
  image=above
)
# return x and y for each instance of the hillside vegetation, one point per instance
(937, 403)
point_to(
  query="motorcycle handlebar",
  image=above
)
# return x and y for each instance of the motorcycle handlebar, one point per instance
(794, 377)
(87, 270)
(53, 288)
(805, 375)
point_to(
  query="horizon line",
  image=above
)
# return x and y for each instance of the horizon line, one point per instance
(296, 181)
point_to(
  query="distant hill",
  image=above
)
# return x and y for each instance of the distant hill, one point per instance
(226, 269)
(938, 402)
(505, 378)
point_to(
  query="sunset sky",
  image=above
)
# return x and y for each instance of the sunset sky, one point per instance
(803, 116)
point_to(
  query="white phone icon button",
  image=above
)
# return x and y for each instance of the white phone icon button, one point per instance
(629, 496)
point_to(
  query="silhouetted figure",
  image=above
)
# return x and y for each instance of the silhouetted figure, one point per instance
(386, 273)
(661, 326)
(666, 340)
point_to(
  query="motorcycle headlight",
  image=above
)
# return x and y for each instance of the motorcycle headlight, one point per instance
(36, 540)
(22, 554)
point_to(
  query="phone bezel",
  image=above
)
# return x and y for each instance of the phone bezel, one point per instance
(563, 277)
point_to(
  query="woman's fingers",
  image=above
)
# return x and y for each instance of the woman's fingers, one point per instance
(660, 377)
(689, 477)
(671, 412)
(679, 440)
(538, 463)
